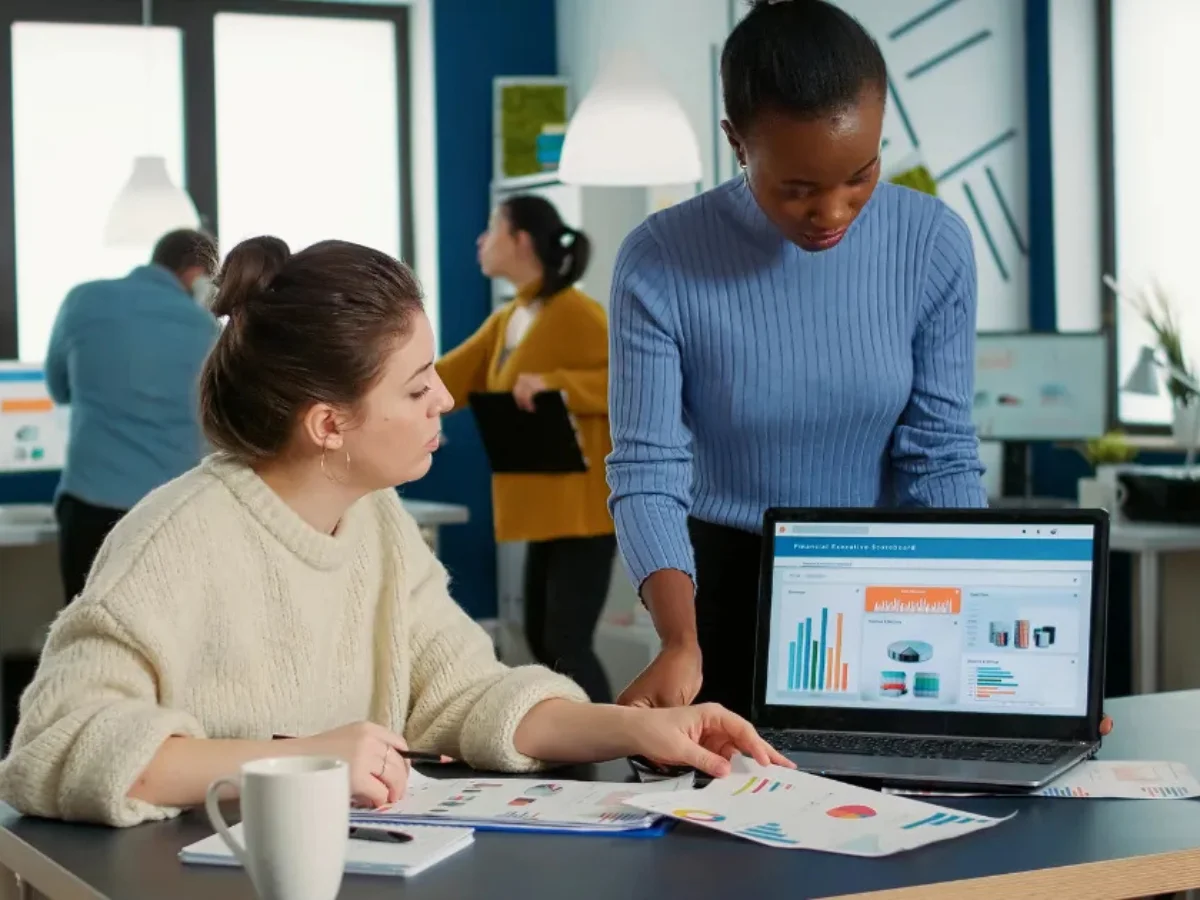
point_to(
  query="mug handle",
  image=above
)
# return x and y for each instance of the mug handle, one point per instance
(212, 805)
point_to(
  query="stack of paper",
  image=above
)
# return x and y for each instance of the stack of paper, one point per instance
(783, 808)
(427, 847)
(523, 804)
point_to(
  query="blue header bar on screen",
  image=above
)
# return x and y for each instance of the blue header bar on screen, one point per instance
(1057, 549)
(22, 375)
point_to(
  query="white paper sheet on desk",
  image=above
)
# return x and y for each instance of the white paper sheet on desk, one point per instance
(522, 803)
(428, 847)
(784, 808)
(1094, 779)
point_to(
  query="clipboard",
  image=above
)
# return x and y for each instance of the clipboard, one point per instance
(519, 442)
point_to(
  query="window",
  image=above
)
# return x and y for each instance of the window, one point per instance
(1155, 191)
(277, 116)
(308, 139)
(87, 99)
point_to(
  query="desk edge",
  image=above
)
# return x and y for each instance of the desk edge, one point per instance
(1113, 879)
(41, 872)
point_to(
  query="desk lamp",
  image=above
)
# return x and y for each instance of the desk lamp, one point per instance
(1145, 380)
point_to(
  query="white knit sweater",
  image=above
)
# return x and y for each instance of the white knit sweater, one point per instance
(215, 611)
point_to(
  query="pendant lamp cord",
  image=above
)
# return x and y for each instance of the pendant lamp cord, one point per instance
(148, 90)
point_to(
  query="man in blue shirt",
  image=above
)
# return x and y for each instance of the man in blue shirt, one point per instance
(126, 355)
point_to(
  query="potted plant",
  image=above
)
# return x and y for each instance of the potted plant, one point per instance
(1156, 310)
(1110, 450)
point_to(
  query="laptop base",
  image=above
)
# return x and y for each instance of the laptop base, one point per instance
(942, 774)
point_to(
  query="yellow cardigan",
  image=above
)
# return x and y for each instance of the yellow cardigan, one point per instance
(567, 344)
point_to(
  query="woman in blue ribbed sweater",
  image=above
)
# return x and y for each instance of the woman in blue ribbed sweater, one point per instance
(800, 336)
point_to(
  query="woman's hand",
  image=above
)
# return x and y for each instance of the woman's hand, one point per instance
(523, 391)
(704, 737)
(1106, 725)
(378, 774)
(672, 679)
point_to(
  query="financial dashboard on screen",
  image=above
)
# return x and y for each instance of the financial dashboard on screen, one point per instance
(931, 617)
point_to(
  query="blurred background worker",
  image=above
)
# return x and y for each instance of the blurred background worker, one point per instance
(125, 355)
(550, 337)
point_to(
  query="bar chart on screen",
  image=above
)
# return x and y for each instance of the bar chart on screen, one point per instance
(822, 650)
(1013, 680)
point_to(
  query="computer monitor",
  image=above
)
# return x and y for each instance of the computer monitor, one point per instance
(925, 619)
(33, 430)
(1037, 387)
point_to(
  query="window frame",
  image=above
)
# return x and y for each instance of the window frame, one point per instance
(1109, 252)
(194, 19)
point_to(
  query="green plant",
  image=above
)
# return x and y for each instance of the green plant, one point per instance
(1111, 449)
(1153, 305)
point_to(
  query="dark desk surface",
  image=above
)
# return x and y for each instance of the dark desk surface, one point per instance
(1116, 848)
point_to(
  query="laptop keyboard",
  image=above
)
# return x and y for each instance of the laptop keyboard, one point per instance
(1038, 752)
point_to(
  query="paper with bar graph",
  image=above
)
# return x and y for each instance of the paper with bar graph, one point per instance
(793, 810)
(1131, 780)
(1095, 779)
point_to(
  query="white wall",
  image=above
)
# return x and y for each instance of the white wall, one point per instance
(954, 108)
(680, 38)
(1075, 112)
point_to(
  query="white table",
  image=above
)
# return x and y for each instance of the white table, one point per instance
(26, 525)
(1148, 543)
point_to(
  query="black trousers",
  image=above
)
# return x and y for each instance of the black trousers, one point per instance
(82, 528)
(727, 565)
(566, 584)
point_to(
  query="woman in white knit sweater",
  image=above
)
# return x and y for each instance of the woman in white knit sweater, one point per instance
(280, 587)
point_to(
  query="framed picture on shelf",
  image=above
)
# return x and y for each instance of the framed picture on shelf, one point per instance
(529, 117)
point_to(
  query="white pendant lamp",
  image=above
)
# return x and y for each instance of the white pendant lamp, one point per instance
(150, 204)
(629, 131)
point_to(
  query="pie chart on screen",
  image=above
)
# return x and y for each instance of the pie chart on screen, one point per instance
(850, 812)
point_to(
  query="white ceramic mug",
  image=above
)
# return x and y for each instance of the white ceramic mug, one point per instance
(296, 824)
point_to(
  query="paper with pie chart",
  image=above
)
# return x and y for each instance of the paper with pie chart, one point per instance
(783, 808)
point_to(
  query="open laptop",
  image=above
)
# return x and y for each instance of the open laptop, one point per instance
(949, 649)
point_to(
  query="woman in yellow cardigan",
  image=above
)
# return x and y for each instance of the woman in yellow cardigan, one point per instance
(551, 337)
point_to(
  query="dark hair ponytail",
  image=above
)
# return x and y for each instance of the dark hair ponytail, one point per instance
(564, 252)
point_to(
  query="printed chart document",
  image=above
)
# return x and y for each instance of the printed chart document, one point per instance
(780, 807)
(521, 804)
(1129, 780)
(427, 847)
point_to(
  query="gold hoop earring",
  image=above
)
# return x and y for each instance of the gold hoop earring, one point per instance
(325, 470)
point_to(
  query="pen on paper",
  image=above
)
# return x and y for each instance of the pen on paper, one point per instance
(411, 755)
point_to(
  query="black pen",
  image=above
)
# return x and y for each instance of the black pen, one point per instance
(381, 835)
(410, 755)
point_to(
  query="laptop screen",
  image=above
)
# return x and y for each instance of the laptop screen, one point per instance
(931, 617)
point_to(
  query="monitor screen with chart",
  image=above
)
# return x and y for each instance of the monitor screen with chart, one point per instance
(33, 429)
(1031, 386)
(932, 617)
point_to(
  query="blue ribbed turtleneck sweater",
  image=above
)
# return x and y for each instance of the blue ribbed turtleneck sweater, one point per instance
(747, 372)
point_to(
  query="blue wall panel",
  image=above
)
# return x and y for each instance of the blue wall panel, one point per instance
(474, 42)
